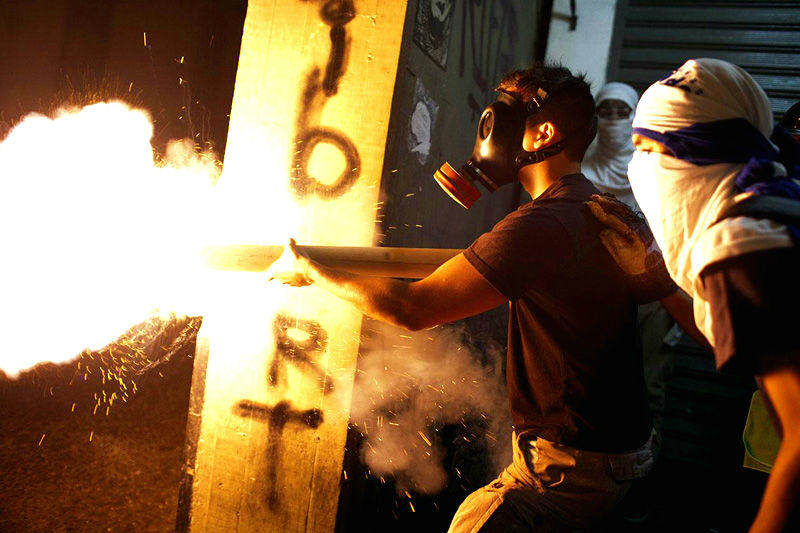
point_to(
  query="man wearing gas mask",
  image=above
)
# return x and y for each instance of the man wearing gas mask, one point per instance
(582, 429)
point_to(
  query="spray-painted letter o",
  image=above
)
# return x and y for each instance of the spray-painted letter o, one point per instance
(303, 184)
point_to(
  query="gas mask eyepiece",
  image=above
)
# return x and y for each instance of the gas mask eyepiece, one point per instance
(498, 154)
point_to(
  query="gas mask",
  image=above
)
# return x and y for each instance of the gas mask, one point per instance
(498, 154)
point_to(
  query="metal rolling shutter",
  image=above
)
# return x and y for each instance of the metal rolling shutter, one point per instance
(763, 37)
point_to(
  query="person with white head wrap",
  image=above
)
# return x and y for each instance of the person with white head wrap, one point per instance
(711, 115)
(606, 164)
(705, 141)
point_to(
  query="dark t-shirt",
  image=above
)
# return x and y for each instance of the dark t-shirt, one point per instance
(574, 371)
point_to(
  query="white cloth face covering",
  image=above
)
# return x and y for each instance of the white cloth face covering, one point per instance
(606, 163)
(682, 201)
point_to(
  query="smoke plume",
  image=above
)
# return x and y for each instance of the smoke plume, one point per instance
(411, 385)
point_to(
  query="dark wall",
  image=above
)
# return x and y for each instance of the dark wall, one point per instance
(66, 52)
(486, 40)
(31, 36)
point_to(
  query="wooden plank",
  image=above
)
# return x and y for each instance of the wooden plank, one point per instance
(304, 158)
(193, 422)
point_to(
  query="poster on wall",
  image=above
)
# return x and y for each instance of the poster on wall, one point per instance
(423, 118)
(432, 25)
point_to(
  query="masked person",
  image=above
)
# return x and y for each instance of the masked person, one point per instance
(719, 188)
(606, 162)
(582, 430)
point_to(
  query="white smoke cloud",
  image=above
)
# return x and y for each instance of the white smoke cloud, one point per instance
(411, 384)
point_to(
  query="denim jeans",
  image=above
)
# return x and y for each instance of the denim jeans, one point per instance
(550, 487)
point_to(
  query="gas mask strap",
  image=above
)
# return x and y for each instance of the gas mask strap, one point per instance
(531, 108)
(528, 158)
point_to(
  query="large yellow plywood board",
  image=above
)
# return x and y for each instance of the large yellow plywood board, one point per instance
(308, 128)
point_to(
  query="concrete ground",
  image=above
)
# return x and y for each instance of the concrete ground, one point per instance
(85, 470)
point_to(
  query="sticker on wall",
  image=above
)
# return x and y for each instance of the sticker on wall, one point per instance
(432, 26)
(420, 128)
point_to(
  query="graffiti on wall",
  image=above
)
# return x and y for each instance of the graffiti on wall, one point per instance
(297, 341)
(276, 418)
(488, 39)
(319, 87)
(423, 119)
(432, 25)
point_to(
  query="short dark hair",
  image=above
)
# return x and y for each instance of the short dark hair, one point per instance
(569, 105)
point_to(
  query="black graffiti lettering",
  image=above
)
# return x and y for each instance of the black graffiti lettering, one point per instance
(336, 14)
(318, 88)
(303, 184)
(277, 417)
(296, 340)
(492, 34)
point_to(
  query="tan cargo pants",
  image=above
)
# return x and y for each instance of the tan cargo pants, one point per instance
(550, 487)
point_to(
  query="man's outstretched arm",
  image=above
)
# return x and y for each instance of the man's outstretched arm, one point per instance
(454, 291)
